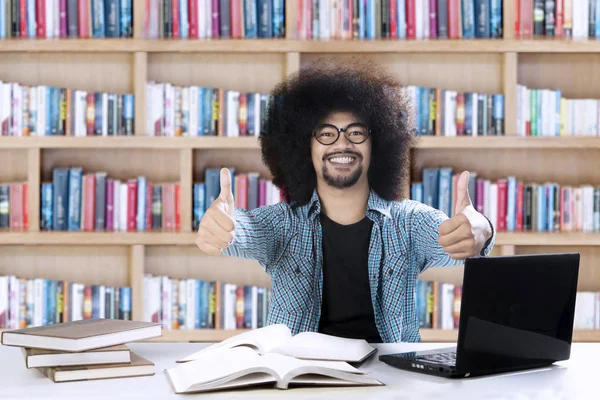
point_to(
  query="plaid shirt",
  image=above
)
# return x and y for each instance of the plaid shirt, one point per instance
(286, 241)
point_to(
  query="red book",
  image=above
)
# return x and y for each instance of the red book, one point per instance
(519, 212)
(453, 23)
(456, 308)
(89, 207)
(502, 197)
(110, 204)
(62, 18)
(243, 114)
(149, 190)
(239, 307)
(16, 206)
(90, 114)
(460, 114)
(351, 13)
(25, 208)
(411, 19)
(177, 207)
(23, 17)
(87, 302)
(262, 193)
(393, 19)
(299, 15)
(40, 18)
(559, 18)
(193, 18)
(235, 21)
(175, 19)
(216, 19)
(526, 18)
(83, 7)
(168, 200)
(518, 17)
(132, 186)
(432, 19)
(242, 193)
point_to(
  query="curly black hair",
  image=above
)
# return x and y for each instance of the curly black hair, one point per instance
(302, 100)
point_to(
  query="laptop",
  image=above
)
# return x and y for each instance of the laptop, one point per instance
(516, 313)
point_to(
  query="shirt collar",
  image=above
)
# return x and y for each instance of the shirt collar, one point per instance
(375, 203)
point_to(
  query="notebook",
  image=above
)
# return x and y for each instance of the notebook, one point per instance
(51, 358)
(228, 368)
(138, 367)
(278, 339)
(82, 335)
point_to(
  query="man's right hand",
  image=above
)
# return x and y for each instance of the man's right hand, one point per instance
(217, 224)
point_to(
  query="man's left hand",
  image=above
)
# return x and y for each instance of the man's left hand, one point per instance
(465, 234)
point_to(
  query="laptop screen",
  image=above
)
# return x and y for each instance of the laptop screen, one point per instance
(516, 311)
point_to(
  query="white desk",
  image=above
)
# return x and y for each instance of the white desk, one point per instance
(578, 378)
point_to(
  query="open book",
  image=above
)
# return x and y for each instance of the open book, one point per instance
(278, 339)
(243, 366)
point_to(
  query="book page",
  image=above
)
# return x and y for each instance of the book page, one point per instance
(285, 365)
(217, 367)
(262, 339)
(318, 346)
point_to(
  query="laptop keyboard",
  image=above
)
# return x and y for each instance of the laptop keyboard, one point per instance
(440, 358)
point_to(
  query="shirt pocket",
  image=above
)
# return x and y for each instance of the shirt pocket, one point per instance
(393, 279)
(293, 284)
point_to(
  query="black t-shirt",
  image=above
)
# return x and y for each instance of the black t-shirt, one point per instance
(347, 310)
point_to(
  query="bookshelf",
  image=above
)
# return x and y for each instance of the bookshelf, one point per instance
(126, 65)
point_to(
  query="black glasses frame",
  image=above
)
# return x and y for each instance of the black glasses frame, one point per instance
(339, 131)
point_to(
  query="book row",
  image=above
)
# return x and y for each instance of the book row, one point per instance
(442, 112)
(78, 201)
(35, 302)
(174, 110)
(512, 205)
(46, 110)
(249, 192)
(545, 112)
(587, 310)
(201, 304)
(206, 19)
(44, 19)
(557, 18)
(399, 19)
(14, 210)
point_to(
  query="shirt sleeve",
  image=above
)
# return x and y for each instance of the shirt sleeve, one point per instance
(425, 230)
(258, 234)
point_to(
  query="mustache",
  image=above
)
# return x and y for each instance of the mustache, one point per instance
(344, 153)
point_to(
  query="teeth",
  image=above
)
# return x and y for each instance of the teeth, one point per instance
(342, 160)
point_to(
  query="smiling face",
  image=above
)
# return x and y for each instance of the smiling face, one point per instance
(342, 164)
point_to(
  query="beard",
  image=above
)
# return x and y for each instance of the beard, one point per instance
(342, 181)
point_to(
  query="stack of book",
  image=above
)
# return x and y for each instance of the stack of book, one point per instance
(84, 350)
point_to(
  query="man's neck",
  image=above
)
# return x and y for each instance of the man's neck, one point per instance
(344, 206)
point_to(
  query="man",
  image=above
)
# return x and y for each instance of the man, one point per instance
(342, 253)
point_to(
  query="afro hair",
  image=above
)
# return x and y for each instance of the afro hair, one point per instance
(301, 101)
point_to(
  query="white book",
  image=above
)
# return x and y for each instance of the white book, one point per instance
(254, 319)
(233, 105)
(209, 12)
(116, 204)
(17, 105)
(15, 289)
(447, 306)
(230, 306)
(35, 358)
(493, 217)
(585, 304)
(166, 302)
(324, 10)
(278, 338)
(474, 103)
(6, 107)
(33, 92)
(149, 109)
(182, 304)
(425, 15)
(4, 305)
(38, 301)
(104, 97)
(102, 301)
(49, 19)
(190, 317)
(202, 20)
(30, 302)
(242, 367)
(419, 11)
(257, 114)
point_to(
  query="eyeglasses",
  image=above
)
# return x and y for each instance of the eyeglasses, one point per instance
(328, 134)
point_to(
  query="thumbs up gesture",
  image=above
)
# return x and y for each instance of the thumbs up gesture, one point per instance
(217, 224)
(465, 234)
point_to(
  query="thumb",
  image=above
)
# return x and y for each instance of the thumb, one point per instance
(226, 193)
(462, 193)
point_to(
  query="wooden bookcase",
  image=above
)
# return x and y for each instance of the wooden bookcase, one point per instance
(125, 65)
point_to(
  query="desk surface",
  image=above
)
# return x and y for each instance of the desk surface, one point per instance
(574, 379)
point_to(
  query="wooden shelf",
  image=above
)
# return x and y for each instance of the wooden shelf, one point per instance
(132, 142)
(129, 45)
(251, 142)
(188, 238)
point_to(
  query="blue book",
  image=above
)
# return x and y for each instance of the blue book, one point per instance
(3, 19)
(596, 18)
(416, 192)
(205, 303)
(430, 186)
(207, 111)
(278, 18)
(482, 18)
(445, 191)
(199, 302)
(46, 209)
(199, 205)
(247, 306)
(265, 18)
(250, 19)
(31, 24)
(200, 112)
(184, 28)
(424, 110)
(498, 113)
(95, 301)
(511, 204)
(52, 305)
(468, 18)
(550, 208)
(252, 131)
(141, 205)
(401, 23)
(495, 19)
(46, 297)
(468, 114)
(596, 208)
(75, 176)
(362, 20)
(557, 118)
(370, 20)
(541, 208)
(60, 201)
(49, 109)
(125, 306)
(126, 18)
(98, 18)
(112, 18)
(421, 295)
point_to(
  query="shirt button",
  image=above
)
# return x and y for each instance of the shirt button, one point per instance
(390, 271)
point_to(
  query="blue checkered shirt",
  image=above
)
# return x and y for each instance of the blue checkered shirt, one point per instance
(286, 241)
